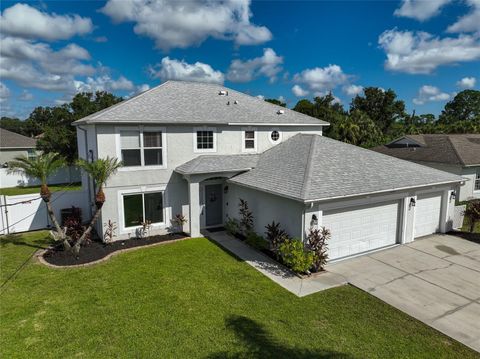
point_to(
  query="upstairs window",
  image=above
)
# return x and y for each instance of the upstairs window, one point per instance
(141, 148)
(249, 140)
(477, 181)
(204, 139)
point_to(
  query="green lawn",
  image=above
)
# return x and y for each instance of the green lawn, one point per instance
(13, 191)
(192, 300)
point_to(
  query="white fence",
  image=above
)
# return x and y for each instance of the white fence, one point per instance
(458, 216)
(64, 175)
(32, 214)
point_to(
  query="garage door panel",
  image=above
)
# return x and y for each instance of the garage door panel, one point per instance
(360, 229)
(427, 214)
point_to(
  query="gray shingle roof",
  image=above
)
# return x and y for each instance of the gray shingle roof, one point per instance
(312, 167)
(10, 139)
(197, 103)
(457, 149)
(218, 163)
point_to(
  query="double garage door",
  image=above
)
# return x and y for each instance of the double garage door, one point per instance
(361, 229)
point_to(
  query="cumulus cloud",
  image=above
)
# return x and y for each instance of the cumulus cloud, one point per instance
(4, 92)
(469, 22)
(172, 69)
(180, 24)
(321, 80)
(353, 90)
(25, 96)
(268, 65)
(22, 20)
(467, 82)
(299, 91)
(429, 93)
(422, 53)
(420, 9)
(103, 83)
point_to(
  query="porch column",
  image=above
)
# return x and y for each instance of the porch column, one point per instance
(194, 199)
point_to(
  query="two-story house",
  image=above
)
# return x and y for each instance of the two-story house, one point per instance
(196, 149)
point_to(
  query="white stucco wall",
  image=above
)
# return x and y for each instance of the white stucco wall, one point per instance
(266, 208)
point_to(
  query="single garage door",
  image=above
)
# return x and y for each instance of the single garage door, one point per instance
(361, 229)
(427, 214)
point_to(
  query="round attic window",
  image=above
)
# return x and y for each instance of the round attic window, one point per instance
(275, 136)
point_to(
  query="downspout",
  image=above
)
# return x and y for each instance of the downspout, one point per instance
(85, 138)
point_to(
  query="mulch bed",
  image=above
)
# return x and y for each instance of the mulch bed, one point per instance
(97, 250)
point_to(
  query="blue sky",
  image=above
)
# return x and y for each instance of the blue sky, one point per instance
(425, 50)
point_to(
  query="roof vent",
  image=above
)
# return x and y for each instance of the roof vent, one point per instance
(280, 112)
(235, 102)
(223, 93)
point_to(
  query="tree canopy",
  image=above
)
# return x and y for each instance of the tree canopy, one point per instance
(465, 106)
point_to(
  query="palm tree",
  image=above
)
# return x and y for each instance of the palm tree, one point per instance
(99, 171)
(41, 167)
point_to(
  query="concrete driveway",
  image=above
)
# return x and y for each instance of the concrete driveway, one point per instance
(435, 279)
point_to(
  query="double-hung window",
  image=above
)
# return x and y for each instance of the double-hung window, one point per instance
(477, 181)
(249, 140)
(142, 147)
(142, 207)
(204, 140)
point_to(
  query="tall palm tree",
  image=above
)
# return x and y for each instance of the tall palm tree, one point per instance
(40, 168)
(99, 171)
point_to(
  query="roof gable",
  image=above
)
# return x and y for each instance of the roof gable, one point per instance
(181, 102)
(9, 139)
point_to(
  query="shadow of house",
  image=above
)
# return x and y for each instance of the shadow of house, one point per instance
(258, 343)
(17, 240)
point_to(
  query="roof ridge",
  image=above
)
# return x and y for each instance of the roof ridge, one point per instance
(455, 150)
(308, 169)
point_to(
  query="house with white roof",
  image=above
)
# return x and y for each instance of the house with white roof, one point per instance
(196, 149)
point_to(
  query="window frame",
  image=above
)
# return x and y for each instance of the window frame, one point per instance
(476, 181)
(141, 130)
(279, 136)
(255, 139)
(142, 191)
(204, 128)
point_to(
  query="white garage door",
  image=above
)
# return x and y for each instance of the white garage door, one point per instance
(427, 214)
(360, 229)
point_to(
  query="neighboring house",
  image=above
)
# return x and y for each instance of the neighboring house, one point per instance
(196, 149)
(456, 153)
(13, 144)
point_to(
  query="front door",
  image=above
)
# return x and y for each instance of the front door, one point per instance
(213, 205)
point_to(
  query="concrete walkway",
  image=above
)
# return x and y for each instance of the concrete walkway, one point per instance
(276, 272)
(435, 279)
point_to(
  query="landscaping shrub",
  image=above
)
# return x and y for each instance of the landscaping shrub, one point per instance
(295, 256)
(232, 226)
(317, 243)
(256, 241)
(275, 236)
(472, 213)
(74, 230)
(246, 217)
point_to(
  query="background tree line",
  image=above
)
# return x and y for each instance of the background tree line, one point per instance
(373, 118)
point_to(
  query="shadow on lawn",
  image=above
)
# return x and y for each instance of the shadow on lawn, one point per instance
(259, 343)
(18, 240)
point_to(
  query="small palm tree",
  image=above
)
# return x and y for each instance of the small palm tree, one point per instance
(41, 167)
(99, 171)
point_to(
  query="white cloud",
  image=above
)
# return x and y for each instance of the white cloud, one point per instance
(261, 97)
(172, 69)
(420, 9)
(321, 79)
(467, 82)
(422, 53)
(269, 65)
(353, 90)
(180, 24)
(429, 93)
(103, 83)
(22, 20)
(143, 88)
(469, 22)
(25, 96)
(282, 99)
(4, 92)
(299, 91)
(100, 39)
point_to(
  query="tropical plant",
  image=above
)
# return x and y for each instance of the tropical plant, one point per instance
(99, 171)
(246, 217)
(74, 229)
(296, 256)
(472, 213)
(232, 226)
(110, 231)
(177, 223)
(41, 167)
(256, 241)
(275, 236)
(317, 242)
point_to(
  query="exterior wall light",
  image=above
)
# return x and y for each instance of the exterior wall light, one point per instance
(453, 196)
(413, 202)
(314, 220)
(225, 189)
